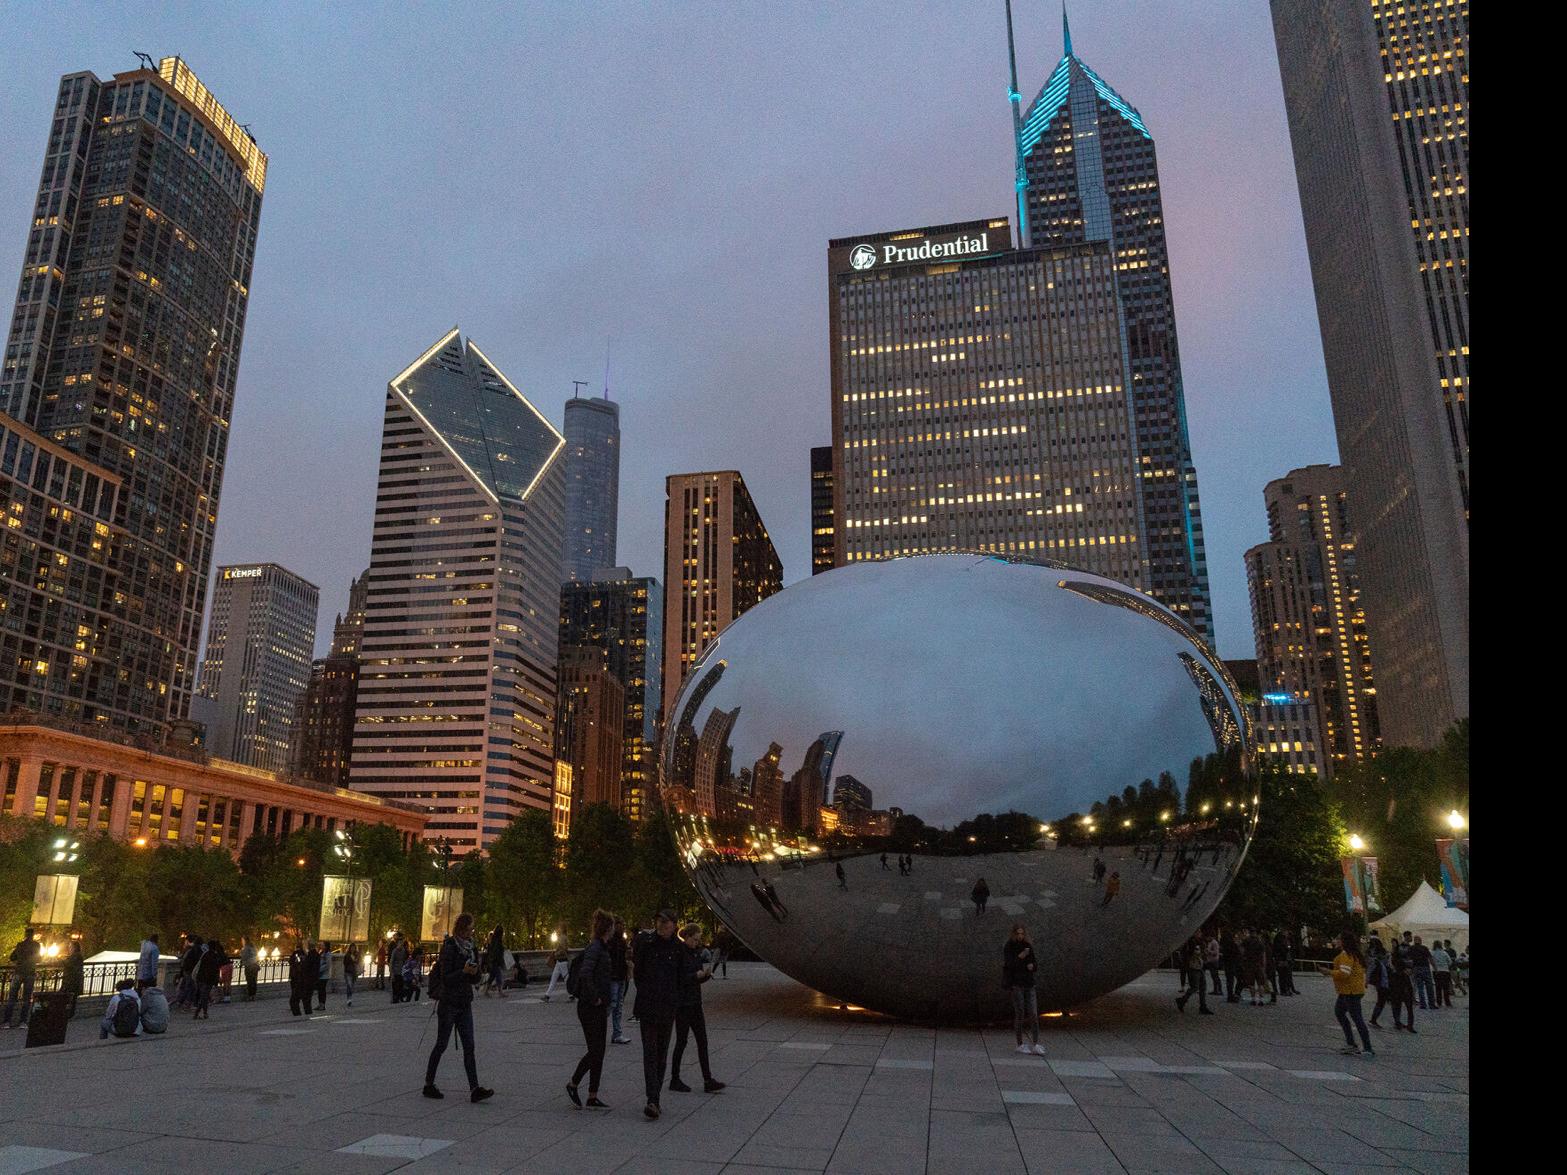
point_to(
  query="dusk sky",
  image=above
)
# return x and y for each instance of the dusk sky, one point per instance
(663, 178)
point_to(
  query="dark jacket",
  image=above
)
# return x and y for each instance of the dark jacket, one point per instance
(211, 963)
(25, 956)
(593, 975)
(296, 968)
(658, 977)
(72, 980)
(1018, 963)
(494, 952)
(690, 979)
(310, 970)
(617, 958)
(456, 984)
(188, 961)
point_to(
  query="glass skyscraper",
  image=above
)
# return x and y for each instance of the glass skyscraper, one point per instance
(123, 352)
(821, 510)
(1378, 100)
(1091, 176)
(455, 711)
(592, 485)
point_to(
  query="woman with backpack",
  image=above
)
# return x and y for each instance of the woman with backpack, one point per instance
(588, 980)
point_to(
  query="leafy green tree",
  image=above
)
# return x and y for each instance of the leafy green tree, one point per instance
(659, 878)
(24, 852)
(1291, 876)
(114, 903)
(598, 854)
(525, 878)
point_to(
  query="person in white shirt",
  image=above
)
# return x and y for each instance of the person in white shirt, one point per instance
(1442, 965)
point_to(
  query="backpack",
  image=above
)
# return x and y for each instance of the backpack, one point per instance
(435, 983)
(574, 976)
(127, 1016)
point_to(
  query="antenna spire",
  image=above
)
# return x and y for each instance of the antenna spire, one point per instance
(576, 387)
(1017, 136)
(1066, 31)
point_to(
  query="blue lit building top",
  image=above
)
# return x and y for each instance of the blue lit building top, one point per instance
(1052, 100)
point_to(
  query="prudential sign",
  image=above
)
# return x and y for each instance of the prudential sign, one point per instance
(912, 251)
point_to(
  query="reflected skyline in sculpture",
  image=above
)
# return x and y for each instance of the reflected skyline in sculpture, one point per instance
(972, 717)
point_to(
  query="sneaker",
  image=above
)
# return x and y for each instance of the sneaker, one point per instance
(1349, 1050)
(1180, 1003)
(546, 999)
(622, 1040)
(678, 1086)
(1372, 1053)
(650, 1110)
(480, 1094)
(1023, 1048)
(710, 1085)
(595, 1104)
(431, 1091)
(571, 1092)
(1039, 1050)
(1205, 1011)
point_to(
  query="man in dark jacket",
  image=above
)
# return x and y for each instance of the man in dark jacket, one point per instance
(689, 1020)
(458, 968)
(619, 980)
(592, 991)
(658, 962)
(301, 979)
(208, 968)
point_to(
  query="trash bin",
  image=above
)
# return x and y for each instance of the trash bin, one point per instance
(51, 1013)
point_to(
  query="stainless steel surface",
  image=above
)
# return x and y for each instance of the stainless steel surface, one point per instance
(952, 687)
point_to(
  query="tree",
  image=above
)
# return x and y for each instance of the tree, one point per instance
(525, 877)
(659, 878)
(23, 854)
(598, 852)
(1291, 876)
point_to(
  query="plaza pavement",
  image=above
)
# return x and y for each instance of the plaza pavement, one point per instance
(1129, 1084)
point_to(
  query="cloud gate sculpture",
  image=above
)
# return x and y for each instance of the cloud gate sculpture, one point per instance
(975, 742)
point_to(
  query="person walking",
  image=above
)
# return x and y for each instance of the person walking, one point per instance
(1112, 888)
(1348, 970)
(657, 963)
(323, 975)
(1442, 969)
(1254, 966)
(413, 974)
(185, 993)
(619, 980)
(695, 970)
(72, 978)
(562, 960)
(1195, 956)
(1230, 957)
(980, 895)
(1378, 975)
(304, 965)
(350, 973)
(380, 964)
(208, 968)
(1213, 961)
(843, 881)
(147, 963)
(1019, 968)
(594, 997)
(24, 973)
(457, 968)
(1401, 990)
(1283, 964)
(250, 964)
(495, 963)
(1420, 961)
(395, 960)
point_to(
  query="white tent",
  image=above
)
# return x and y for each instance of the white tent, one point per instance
(1427, 914)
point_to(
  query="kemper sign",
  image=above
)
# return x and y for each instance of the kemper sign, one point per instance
(242, 573)
(913, 250)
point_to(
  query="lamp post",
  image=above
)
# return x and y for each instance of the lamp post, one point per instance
(344, 851)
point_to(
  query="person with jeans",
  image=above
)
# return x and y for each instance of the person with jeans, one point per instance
(619, 980)
(658, 959)
(323, 976)
(1442, 969)
(1348, 970)
(1018, 967)
(1420, 962)
(1195, 958)
(398, 956)
(593, 1002)
(458, 968)
(24, 971)
(147, 963)
(350, 973)
(695, 970)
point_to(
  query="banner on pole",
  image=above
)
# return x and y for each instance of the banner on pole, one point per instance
(1354, 896)
(1453, 855)
(442, 905)
(1369, 886)
(54, 899)
(345, 909)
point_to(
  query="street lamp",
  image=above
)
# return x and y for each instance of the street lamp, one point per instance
(343, 850)
(1455, 821)
(1355, 842)
(65, 851)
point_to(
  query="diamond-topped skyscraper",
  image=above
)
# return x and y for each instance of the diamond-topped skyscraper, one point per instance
(1091, 174)
(456, 702)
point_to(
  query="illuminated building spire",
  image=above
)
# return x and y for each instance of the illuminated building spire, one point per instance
(1017, 135)
(1066, 32)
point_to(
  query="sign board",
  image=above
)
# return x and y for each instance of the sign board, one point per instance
(345, 909)
(921, 247)
(1453, 856)
(442, 905)
(242, 573)
(54, 899)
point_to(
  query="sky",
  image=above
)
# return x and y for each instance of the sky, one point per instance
(646, 191)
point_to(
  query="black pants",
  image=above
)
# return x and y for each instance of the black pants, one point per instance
(1194, 984)
(321, 995)
(1232, 979)
(1381, 1003)
(594, 1019)
(449, 1017)
(397, 988)
(1213, 970)
(690, 1021)
(299, 997)
(251, 975)
(655, 1051)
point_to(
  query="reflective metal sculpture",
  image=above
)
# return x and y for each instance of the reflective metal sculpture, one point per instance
(873, 774)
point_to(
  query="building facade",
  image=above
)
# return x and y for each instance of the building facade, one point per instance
(1308, 615)
(821, 510)
(257, 662)
(623, 614)
(123, 350)
(1288, 733)
(97, 781)
(324, 719)
(718, 563)
(592, 484)
(981, 401)
(1091, 176)
(590, 726)
(456, 698)
(1377, 95)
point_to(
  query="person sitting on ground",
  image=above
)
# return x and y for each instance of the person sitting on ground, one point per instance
(123, 1015)
(154, 1010)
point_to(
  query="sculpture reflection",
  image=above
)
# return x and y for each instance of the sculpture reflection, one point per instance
(1055, 734)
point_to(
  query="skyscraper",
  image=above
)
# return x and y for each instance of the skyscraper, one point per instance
(1378, 101)
(981, 401)
(592, 484)
(257, 662)
(623, 615)
(456, 705)
(591, 727)
(349, 629)
(821, 510)
(1091, 176)
(718, 563)
(1307, 614)
(123, 351)
(324, 720)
